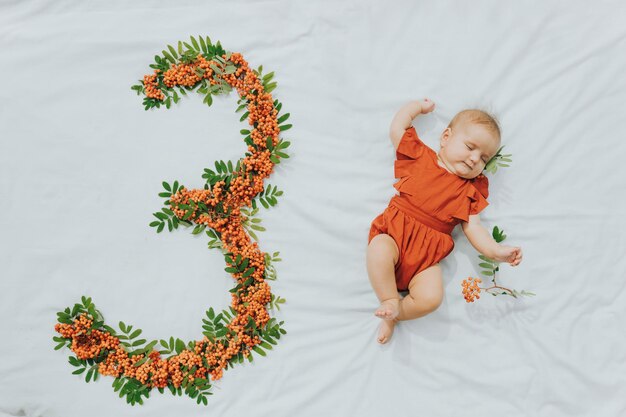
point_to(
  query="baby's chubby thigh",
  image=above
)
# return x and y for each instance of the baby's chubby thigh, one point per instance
(425, 293)
(427, 286)
(383, 248)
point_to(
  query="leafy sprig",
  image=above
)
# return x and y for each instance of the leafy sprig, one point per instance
(187, 53)
(270, 269)
(166, 215)
(491, 267)
(275, 302)
(498, 160)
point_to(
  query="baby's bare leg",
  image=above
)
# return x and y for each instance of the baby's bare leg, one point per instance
(425, 294)
(382, 256)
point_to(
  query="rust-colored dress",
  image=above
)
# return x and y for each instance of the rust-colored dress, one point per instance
(432, 201)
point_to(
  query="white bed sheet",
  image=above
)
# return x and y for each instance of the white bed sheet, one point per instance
(81, 164)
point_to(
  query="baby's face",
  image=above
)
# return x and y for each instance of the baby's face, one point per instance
(466, 149)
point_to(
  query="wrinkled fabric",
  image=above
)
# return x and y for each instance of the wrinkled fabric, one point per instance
(81, 166)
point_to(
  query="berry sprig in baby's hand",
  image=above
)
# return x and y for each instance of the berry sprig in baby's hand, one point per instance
(510, 254)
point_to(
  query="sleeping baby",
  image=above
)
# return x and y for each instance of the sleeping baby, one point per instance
(437, 191)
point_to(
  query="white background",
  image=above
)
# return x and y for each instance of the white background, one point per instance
(81, 164)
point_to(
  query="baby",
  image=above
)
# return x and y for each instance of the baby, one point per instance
(437, 192)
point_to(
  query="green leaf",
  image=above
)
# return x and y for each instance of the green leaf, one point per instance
(138, 342)
(74, 361)
(484, 258)
(180, 346)
(208, 99)
(160, 216)
(283, 118)
(245, 263)
(169, 58)
(173, 51)
(194, 42)
(285, 127)
(268, 77)
(270, 339)
(198, 229)
(259, 350)
(89, 375)
(141, 361)
(110, 329)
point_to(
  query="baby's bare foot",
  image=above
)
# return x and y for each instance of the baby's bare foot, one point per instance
(385, 331)
(388, 309)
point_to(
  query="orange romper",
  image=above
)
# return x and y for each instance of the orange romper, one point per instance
(432, 201)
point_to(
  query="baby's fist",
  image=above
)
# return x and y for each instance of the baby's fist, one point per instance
(510, 254)
(426, 105)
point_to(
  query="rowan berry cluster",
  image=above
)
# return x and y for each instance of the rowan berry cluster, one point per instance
(471, 291)
(151, 86)
(86, 343)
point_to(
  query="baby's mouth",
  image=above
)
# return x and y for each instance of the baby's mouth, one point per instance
(468, 166)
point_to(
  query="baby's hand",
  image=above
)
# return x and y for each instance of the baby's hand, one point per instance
(426, 105)
(510, 254)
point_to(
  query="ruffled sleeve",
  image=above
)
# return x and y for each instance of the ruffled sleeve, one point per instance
(475, 199)
(478, 196)
(409, 149)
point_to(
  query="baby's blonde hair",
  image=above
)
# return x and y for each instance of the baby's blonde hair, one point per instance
(477, 116)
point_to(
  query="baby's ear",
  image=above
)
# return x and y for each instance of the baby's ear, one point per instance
(445, 135)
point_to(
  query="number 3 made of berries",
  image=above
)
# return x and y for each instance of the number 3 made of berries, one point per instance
(225, 210)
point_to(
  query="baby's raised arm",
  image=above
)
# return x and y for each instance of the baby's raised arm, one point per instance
(403, 118)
